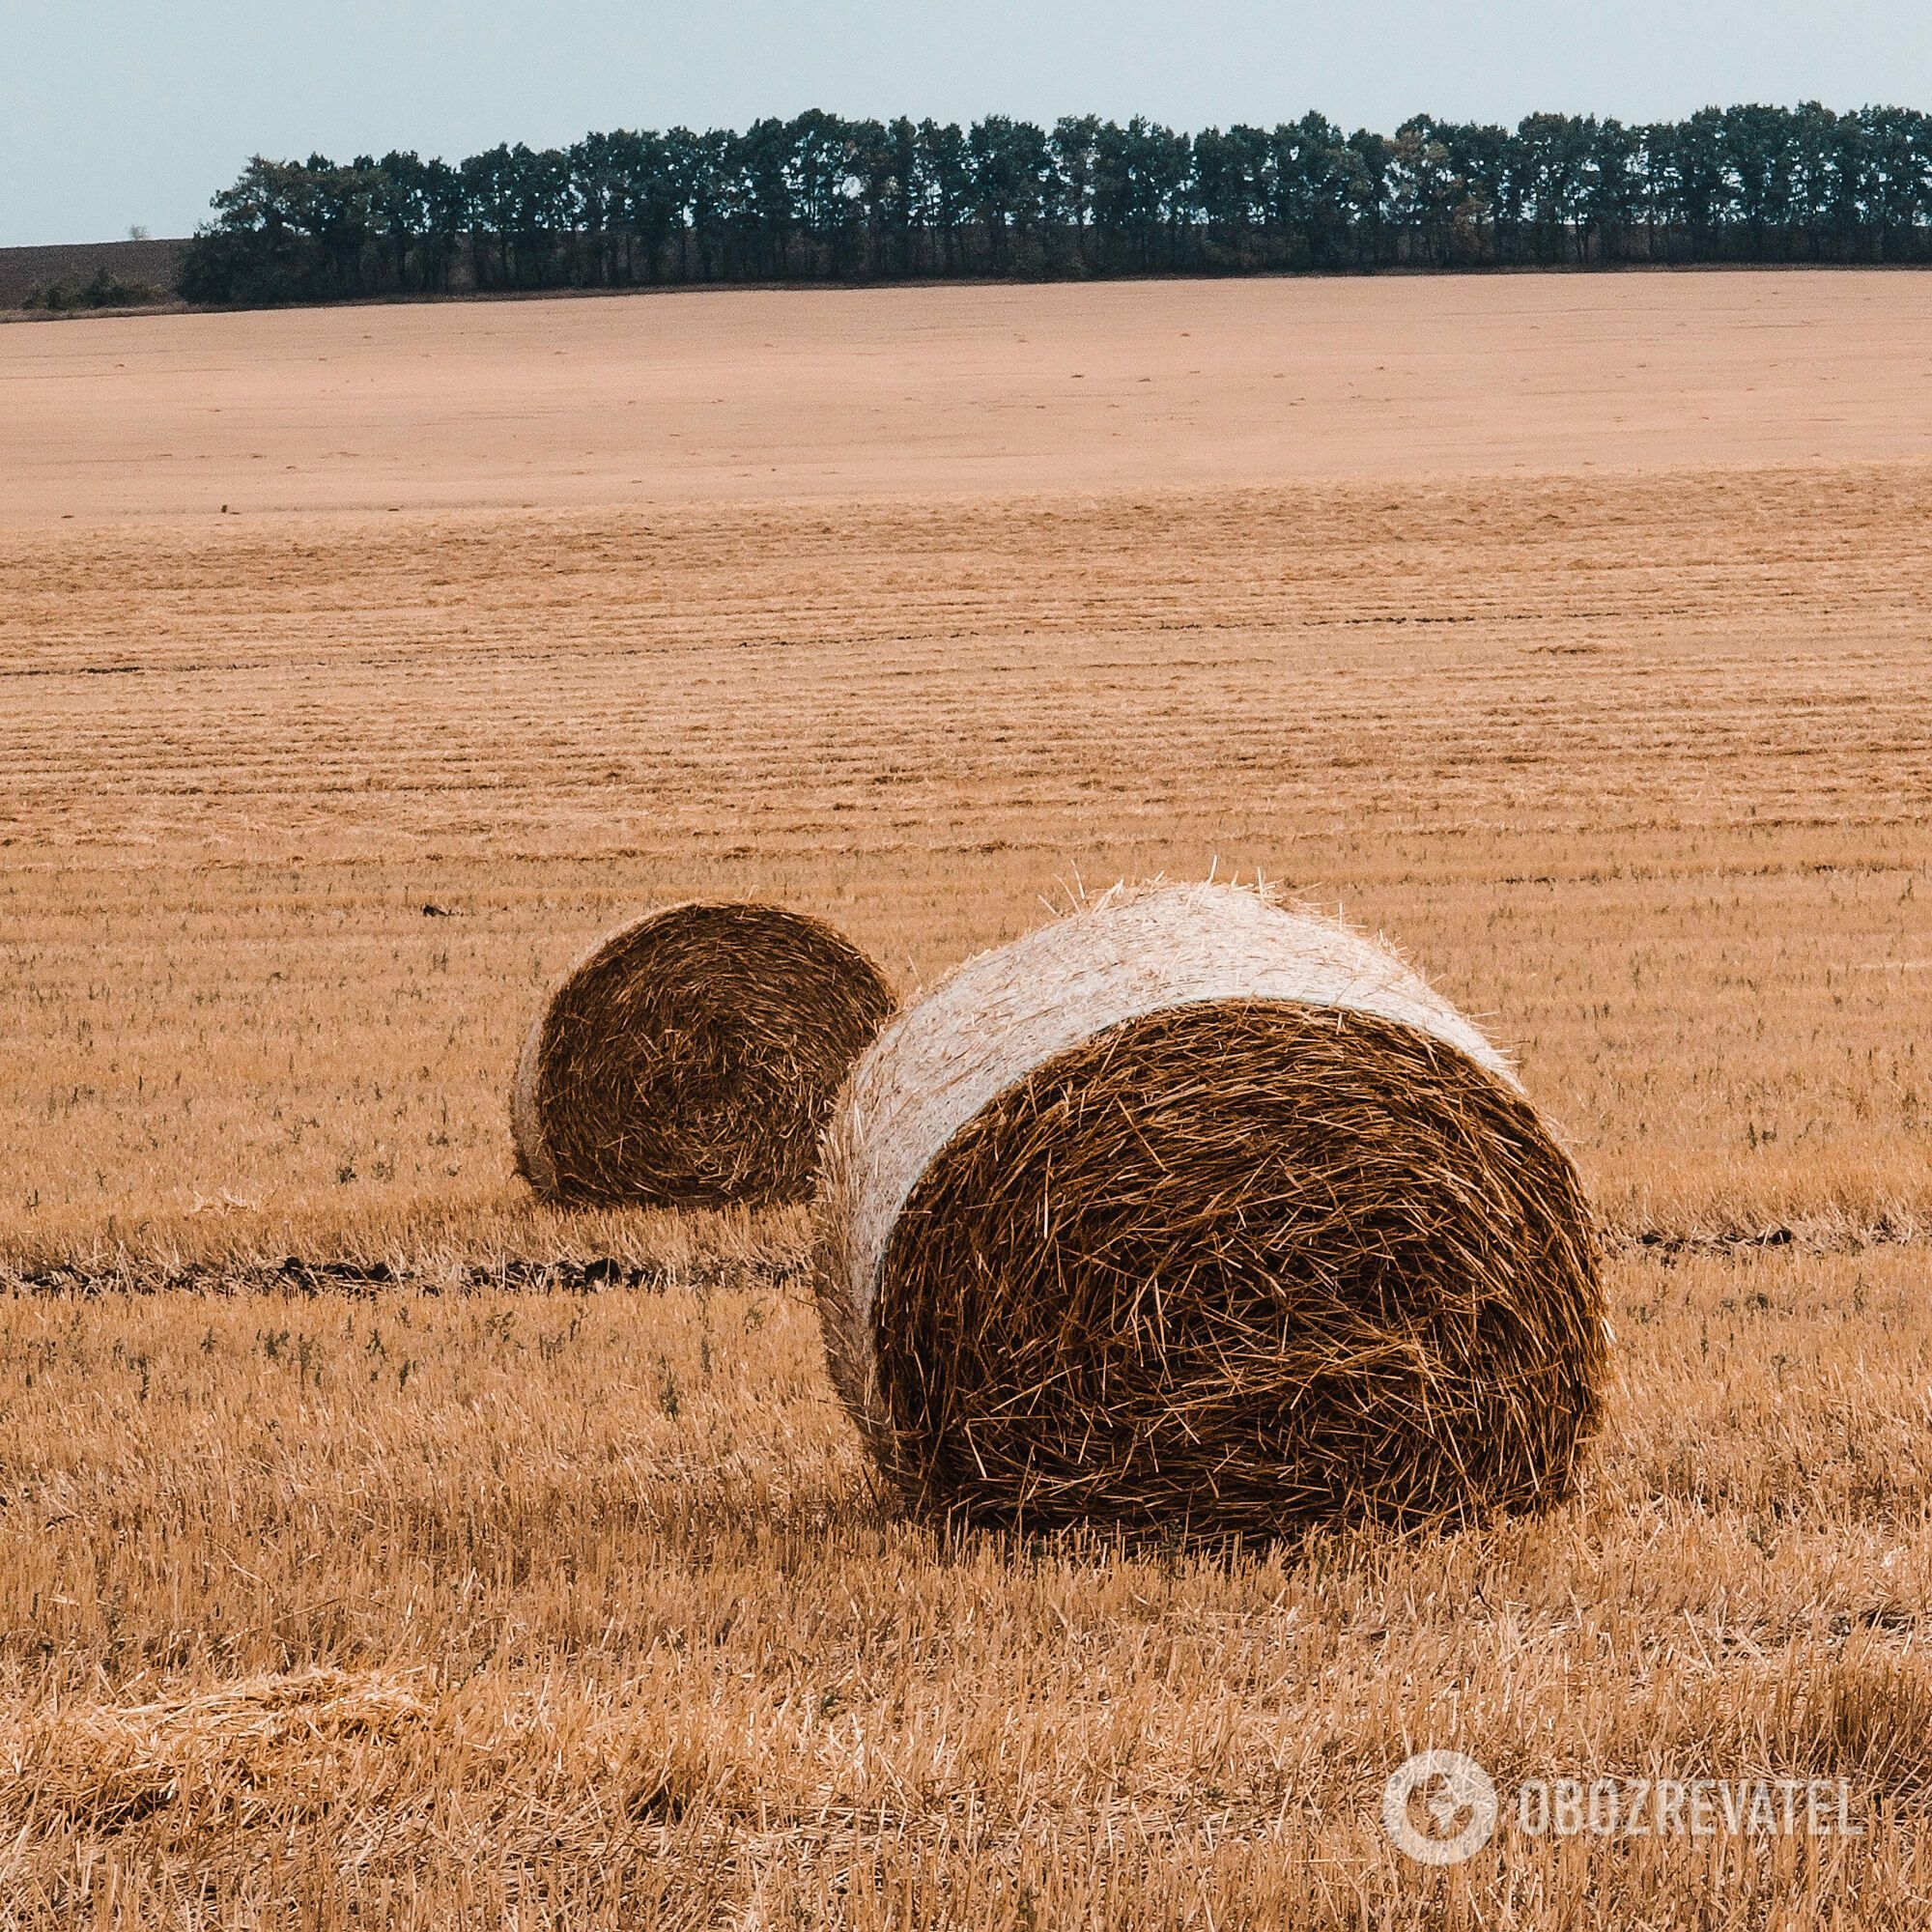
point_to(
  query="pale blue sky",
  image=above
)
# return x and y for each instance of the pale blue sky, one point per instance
(120, 112)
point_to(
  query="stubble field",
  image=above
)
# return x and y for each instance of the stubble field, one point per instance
(380, 1549)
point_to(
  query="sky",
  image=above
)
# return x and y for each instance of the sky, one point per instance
(116, 113)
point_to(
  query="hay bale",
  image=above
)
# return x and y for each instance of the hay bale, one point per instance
(1192, 1212)
(691, 1060)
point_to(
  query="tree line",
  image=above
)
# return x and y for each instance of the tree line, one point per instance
(818, 198)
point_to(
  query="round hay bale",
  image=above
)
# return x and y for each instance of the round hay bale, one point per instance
(1189, 1212)
(691, 1060)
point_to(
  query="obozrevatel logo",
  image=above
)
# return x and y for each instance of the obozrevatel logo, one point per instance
(1453, 1799)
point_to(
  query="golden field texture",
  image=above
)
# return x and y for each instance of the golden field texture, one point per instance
(355, 1571)
(429, 1610)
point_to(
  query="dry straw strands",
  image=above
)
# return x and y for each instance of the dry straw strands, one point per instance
(691, 1059)
(234, 1754)
(1189, 1212)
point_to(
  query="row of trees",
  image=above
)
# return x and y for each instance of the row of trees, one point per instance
(822, 198)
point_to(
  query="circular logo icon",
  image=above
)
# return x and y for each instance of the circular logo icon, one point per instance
(1439, 1808)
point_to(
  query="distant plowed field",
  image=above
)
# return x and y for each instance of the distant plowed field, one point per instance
(23, 270)
(1574, 632)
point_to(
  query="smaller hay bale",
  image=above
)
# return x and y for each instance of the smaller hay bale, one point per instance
(691, 1060)
(1190, 1213)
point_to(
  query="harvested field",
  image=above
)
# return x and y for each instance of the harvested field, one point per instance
(908, 392)
(414, 1549)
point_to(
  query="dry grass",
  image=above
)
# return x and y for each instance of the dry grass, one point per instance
(431, 1604)
(335, 1600)
(1637, 769)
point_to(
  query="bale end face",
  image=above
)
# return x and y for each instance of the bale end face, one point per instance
(691, 1060)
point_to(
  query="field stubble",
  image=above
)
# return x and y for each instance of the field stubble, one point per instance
(442, 1599)
(1640, 769)
(434, 1609)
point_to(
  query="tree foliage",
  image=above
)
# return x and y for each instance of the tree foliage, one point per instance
(818, 198)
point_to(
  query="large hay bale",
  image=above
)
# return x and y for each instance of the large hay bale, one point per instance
(691, 1060)
(1192, 1212)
